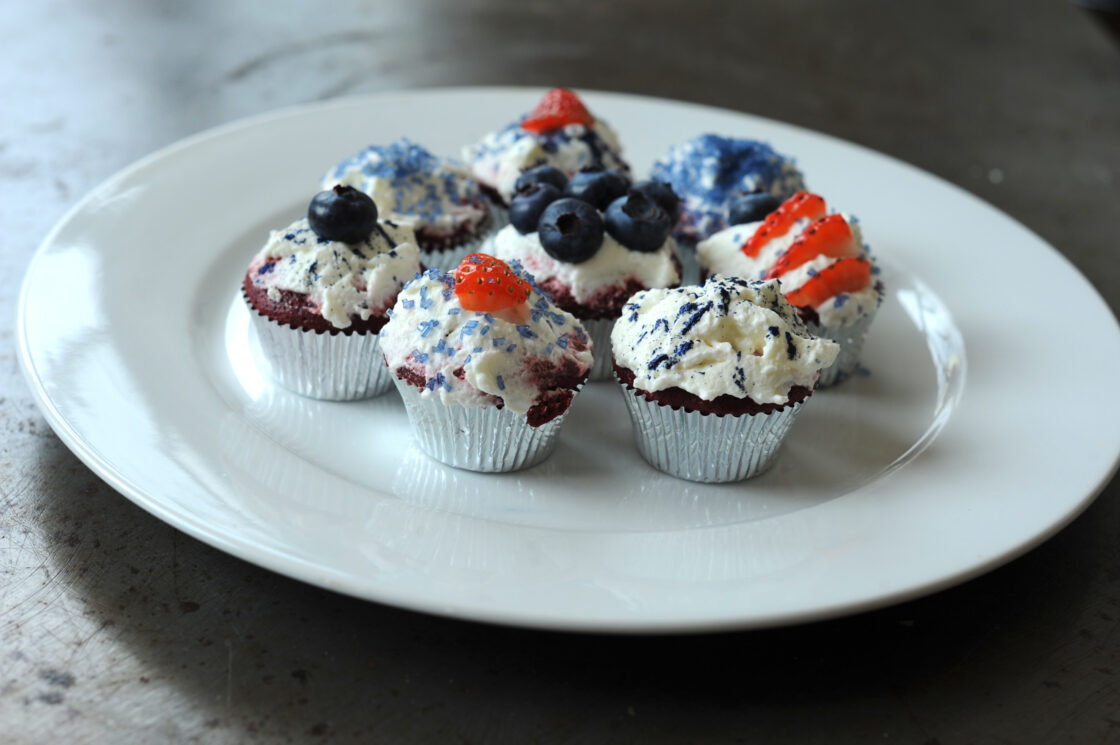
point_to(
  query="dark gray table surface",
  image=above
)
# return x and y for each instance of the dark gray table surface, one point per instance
(117, 628)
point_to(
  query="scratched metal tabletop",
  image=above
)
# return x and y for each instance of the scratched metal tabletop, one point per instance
(117, 628)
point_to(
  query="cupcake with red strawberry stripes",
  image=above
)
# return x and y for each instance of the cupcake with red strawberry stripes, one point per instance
(826, 270)
(560, 132)
(481, 351)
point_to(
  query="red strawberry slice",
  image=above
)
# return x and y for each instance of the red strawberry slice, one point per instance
(801, 205)
(829, 236)
(488, 285)
(846, 275)
(558, 108)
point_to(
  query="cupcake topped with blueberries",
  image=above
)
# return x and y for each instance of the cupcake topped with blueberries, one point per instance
(320, 290)
(826, 270)
(709, 171)
(559, 132)
(436, 197)
(591, 242)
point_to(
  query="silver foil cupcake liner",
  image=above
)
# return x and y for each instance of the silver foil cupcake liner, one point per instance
(477, 438)
(447, 259)
(333, 367)
(696, 446)
(850, 338)
(599, 331)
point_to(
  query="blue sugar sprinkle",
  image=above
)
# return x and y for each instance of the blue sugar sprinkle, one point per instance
(839, 300)
(526, 332)
(407, 303)
(442, 348)
(501, 383)
(562, 340)
(511, 347)
(683, 347)
(485, 330)
(290, 237)
(425, 301)
(477, 350)
(426, 327)
(548, 349)
(468, 328)
(499, 341)
(421, 357)
(454, 311)
(659, 360)
(266, 268)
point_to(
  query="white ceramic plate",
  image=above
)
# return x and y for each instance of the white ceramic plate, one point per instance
(974, 437)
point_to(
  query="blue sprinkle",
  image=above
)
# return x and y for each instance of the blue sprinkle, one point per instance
(425, 301)
(426, 327)
(511, 347)
(839, 300)
(407, 304)
(468, 328)
(501, 384)
(454, 311)
(499, 341)
(421, 357)
(526, 332)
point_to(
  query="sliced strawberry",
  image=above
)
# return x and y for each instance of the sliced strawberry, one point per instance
(829, 236)
(488, 285)
(558, 108)
(845, 275)
(801, 205)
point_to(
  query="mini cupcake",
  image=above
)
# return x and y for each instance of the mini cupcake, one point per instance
(713, 375)
(709, 171)
(486, 364)
(590, 243)
(825, 268)
(436, 197)
(559, 132)
(319, 292)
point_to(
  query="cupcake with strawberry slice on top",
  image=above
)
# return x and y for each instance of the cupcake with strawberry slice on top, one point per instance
(560, 132)
(825, 269)
(486, 364)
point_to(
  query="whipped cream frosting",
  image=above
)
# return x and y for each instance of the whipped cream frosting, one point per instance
(340, 279)
(500, 157)
(708, 170)
(721, 254)
(729, 336)
(611, 266)
(413, 187)
(471, 358)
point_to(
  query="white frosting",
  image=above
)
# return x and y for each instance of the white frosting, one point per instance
(341, 280)
(729, 336)
(722, 254)
(431, 333)
(611, 266)
(440, 201)
(500, 157)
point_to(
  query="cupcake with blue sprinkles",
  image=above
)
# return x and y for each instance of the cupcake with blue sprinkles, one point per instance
(436, 197)
(591, 242)
(487, 365)
(319, 292)
(709, 171)
(560, 132)
(713, 375)
(826, 269)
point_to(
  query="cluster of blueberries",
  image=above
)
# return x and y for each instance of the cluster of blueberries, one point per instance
(570, 215)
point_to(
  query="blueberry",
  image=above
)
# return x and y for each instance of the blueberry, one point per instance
(637, 222)
(342, 214)
(663, 194)
(528, 204)
(747, 207)
(597, 187)
(541, 174)
(570, 230)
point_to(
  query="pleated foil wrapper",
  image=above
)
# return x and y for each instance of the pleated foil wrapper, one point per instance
(332, 367)
(477, 438)
(850, 338)
(447, 259)
(599, 331)
(714, 449)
